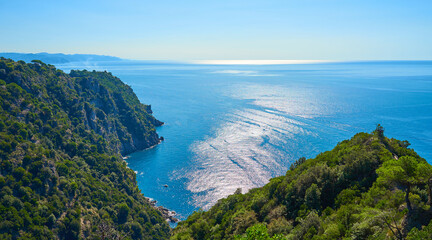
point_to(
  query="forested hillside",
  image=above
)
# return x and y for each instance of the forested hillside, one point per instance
(61, 171)
(369, 187)
(62, 175)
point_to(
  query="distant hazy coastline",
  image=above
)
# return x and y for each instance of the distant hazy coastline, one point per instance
(56, 58)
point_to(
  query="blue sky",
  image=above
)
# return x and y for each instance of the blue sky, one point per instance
(222, 29)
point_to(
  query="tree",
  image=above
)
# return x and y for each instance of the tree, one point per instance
(258, 232)
(297, 163)
(390, 220)
(425, 175)
(424, 233)
(406, 172)
(313, 197)
(106, 231)
(123, 212)
(379, 130)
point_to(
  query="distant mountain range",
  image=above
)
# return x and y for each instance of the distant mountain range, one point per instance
(57, 58)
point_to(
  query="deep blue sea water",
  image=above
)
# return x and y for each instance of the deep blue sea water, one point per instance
(237, 126)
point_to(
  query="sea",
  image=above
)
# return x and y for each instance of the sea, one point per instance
(231, 125)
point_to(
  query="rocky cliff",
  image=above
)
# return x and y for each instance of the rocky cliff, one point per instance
(61, 172)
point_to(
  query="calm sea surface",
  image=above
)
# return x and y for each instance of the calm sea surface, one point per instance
(236, 126)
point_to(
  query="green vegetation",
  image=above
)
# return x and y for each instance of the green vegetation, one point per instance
(62, 176)
(369, 187)
(61, 172)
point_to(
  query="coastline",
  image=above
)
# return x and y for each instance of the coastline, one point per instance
(169, 215)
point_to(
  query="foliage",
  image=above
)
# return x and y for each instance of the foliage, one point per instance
(257, 232)
(61, 172)
(358, 190)
(407, 171)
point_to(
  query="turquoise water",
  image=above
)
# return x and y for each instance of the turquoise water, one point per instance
(231, 126)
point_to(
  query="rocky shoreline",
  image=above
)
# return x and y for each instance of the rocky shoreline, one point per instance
(168, 215)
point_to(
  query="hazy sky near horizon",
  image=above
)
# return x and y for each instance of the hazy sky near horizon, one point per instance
(223, 29)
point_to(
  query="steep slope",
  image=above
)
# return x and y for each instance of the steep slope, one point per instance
(369, 187)
(61, 172)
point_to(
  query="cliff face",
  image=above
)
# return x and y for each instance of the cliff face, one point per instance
(114, 111)
(61, 172)
(104, 103)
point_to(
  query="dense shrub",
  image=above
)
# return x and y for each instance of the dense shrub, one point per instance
(369, 187)
(61, 136)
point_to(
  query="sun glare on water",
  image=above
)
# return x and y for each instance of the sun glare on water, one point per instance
(258, 62)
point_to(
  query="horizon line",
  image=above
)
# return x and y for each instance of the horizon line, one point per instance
(289, 62)
(234, 61)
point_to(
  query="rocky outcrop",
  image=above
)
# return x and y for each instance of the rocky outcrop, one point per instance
(115, 112)
(167, 214)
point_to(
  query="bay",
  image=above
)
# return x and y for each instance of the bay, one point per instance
(237, 126)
